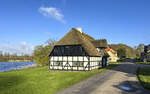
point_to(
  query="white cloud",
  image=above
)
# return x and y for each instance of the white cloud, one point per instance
(5, 41)
(52, 12)
(23, 43)
(22, 47)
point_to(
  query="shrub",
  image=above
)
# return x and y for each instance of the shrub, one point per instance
(41, 53)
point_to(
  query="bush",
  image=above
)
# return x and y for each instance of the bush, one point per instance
(41, 53)
(121, 53)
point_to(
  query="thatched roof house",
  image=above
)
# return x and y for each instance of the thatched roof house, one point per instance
(77, 51)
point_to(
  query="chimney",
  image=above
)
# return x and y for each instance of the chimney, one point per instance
(79, 29)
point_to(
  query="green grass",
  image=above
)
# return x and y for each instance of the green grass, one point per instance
(144, 76)
(41, 81)
(115, 63)
(142, 62)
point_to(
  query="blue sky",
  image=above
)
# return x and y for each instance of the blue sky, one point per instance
(27, 23)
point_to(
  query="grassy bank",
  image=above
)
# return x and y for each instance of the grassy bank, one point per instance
(41, 80)
(142, 62)
(144, 76)
(15, 58)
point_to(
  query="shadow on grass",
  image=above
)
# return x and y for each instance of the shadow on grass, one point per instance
(146, 85)
(8, 82)
(145, 72)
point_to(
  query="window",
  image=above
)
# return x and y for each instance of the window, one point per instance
(81, 64)
(99, 63)
(67, 50)
(62, 50)
(73, 50)
(74, 63)
(77, 63)
(101, 51)
(58, 63)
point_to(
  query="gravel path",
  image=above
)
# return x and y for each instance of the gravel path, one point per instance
(119, 80)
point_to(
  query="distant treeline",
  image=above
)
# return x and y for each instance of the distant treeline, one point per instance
(15, 58)
(126, 51)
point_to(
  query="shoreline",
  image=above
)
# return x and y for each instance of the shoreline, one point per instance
(16, 61)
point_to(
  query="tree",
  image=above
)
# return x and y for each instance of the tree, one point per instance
(130, 52)
(7, 54)
(50, 42)
(41, 53)
(139, 50)
(14, 54)
(121, 53)
(1, 53)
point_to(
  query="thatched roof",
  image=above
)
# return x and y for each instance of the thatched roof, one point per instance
(88, 37)
(74, 37)
(102, 43)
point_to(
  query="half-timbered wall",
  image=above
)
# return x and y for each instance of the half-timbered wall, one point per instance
(95, 62)
(74, 62)
(72, 58)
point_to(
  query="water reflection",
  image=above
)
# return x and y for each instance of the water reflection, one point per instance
(8, 66)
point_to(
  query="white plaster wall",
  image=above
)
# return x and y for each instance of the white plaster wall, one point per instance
(95, 64)
(74, 58)
(74, 68)
(108, 60)
(70, 58)
(64, 58)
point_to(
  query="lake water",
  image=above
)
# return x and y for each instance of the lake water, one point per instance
(8, 66)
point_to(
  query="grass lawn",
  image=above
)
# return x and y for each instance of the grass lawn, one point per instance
(41, 81)
(142, 63)
(144, 76)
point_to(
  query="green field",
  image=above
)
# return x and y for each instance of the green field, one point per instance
(144, 76)
(41, 81)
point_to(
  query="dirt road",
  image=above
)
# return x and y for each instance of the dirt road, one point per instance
(119, 80)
